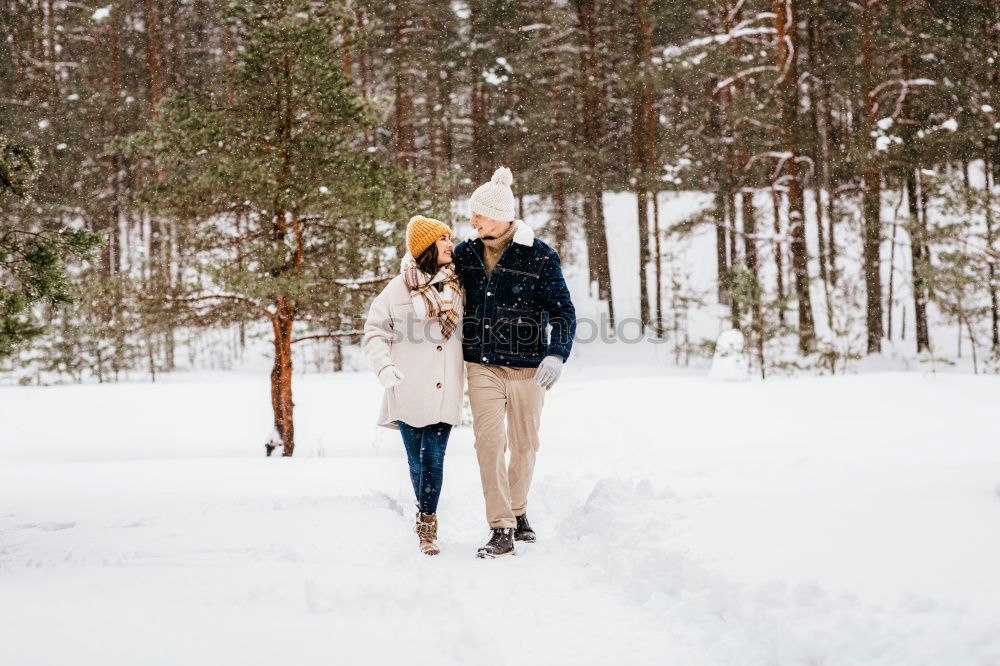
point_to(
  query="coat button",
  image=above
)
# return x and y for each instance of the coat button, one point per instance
(439, 384)
(440, 347)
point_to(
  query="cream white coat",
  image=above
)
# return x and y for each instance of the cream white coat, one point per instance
(398, 332)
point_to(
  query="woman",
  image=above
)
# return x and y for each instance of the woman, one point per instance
(412, 339)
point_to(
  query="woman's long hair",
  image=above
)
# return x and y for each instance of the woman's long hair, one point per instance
(428, 260)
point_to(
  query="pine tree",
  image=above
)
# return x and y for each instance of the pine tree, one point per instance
(280, 200)
(32, 259)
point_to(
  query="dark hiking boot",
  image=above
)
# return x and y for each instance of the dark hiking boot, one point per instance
(523, 532)
(501, 543)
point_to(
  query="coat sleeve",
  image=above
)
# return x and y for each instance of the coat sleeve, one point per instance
(377, 339)
(556, 302)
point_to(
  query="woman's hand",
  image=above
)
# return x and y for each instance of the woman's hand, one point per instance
(391, 376)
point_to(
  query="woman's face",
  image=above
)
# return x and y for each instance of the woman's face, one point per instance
(444, 249)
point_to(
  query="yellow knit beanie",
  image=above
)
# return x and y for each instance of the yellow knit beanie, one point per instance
(421, 233)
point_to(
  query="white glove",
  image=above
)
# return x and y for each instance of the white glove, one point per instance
(548, 371)
(391, 376)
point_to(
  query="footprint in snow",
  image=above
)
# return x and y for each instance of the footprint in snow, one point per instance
(138, 522)
(48, 527)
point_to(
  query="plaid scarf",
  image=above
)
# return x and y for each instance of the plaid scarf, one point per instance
(446, 304)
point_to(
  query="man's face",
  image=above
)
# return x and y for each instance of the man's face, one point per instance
(488, 227)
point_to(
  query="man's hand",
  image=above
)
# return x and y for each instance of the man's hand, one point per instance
(548, 371)
(391, 376)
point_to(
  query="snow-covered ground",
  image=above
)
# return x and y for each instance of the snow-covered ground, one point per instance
(809, 521)
(827, 520)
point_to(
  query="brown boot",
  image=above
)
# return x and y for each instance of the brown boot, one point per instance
(427, 528)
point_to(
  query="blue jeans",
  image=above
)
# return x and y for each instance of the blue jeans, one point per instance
(425, 452)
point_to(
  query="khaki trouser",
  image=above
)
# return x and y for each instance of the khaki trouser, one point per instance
(493, 394)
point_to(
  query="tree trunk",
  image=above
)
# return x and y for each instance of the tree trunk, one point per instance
(227, 50)
(593, 205)
(360, 17)
(643, 223)
(991, 262)
(828, 132)
(872, 205)
(721, 253)
(153, 55)
(281, 378)
(338, 354)
(786, 25)
(917, 231)
(480, 147)
(404, 138)
(652, 157)
(157, 255)
(111, 258)
(640, 139)
(872, 257)
(345, 49)
(597, 245)
(735, 312)
(779, 260)
(559, 215)
(173, 44)
(716, 128)
(743, 178)
(659, 264)
(558, 189)
(819, 156)
(890, 301)
(753, 268)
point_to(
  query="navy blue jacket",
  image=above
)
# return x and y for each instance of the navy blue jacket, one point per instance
(507, 315)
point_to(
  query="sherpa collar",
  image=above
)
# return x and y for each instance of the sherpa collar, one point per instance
(523, 236)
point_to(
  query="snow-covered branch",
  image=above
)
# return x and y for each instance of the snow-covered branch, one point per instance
(209, 297)
(905, 83)
(338, 334)
(672, 52)
(358, 283)
(782, 157)
(747, 120)
(725, 83)
(735, 11)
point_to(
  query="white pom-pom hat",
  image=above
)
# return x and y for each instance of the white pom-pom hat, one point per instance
(495, 198)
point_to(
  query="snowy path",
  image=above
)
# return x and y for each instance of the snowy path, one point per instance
(680, 521)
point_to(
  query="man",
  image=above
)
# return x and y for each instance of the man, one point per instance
(514, 291)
